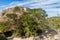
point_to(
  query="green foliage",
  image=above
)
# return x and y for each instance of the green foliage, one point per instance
(39, 15)
(16, 9)
(11, 16)
(28, 23)
(4, 26)
(29, 26)
(31, 22)
(55, 21)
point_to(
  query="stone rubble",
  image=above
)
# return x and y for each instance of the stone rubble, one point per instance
(56, 37)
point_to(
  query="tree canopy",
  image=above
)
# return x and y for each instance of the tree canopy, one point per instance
(28, 23)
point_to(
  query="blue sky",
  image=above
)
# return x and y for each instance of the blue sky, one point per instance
(52, 7)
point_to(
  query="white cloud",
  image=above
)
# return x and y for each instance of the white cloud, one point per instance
(13, 4)
(21, 3)
(43, 2)
(37, 4)
(53, 9)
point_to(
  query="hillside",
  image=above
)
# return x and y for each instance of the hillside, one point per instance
(55, 21)
(24, 22)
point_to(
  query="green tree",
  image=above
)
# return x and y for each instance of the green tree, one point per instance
(29, 22)
(39, 15)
